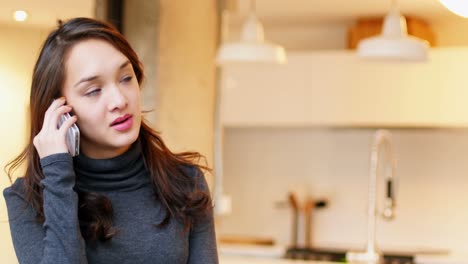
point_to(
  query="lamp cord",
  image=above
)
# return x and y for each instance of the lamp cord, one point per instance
(253, 7)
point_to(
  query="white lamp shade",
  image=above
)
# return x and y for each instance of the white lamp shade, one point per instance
(262, 52)
(404, 49)
(394, 43)
(252, 46)
(459, 7)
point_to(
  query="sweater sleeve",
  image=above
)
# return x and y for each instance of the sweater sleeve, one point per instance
(58, 239)
(202, 235)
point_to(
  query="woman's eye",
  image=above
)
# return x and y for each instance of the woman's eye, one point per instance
(127, 79)
(93, 92)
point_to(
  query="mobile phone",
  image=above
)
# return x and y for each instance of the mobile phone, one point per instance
(72, 137)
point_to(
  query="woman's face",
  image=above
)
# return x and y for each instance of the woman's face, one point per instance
(102, 88)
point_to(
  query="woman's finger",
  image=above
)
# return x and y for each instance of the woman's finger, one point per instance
(66, 125)
(55, 104)
(56, 115)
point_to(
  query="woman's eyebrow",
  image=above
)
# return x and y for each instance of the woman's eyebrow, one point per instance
(124, 64)
(86, 79)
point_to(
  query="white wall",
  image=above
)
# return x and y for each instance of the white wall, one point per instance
(262, 165)
(18, 52)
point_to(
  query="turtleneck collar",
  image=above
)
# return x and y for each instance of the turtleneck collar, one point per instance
(125, 172)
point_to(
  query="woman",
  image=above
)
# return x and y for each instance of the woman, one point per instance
(126, 198)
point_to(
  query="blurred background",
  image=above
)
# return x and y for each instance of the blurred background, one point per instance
(302, 127)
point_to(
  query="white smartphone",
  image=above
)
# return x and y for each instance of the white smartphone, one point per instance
(73, 136)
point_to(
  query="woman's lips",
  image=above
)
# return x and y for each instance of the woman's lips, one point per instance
(120, 119)
(123, 123)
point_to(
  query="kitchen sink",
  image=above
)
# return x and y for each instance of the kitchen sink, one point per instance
(340, 255)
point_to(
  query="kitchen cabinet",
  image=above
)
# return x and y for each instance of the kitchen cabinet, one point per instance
(338, 89)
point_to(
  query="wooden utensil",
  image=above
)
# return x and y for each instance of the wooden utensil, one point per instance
(295, 206)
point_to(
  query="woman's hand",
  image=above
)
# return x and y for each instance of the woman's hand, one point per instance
(51, 140)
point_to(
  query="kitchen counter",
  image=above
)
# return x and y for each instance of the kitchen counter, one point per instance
(456, 258)
(259, 260)
(232, 254)
(240, 254)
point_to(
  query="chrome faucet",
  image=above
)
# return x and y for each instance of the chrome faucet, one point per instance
(382, 138)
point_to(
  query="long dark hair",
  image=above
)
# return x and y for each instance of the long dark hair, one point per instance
(174, 188)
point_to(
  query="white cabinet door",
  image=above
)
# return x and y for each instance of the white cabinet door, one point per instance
(336, 88)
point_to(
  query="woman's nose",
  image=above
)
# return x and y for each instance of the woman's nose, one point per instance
(117, 99)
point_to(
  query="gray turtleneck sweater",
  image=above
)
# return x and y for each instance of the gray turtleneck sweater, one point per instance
(125, 181)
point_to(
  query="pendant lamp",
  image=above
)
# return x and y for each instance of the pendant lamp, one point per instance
(458, 7)
(252, 46)
(394, 43)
